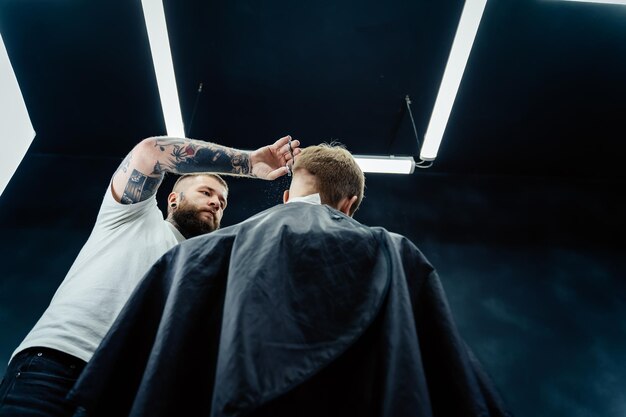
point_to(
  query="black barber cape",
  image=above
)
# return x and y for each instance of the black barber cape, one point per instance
(297, 311)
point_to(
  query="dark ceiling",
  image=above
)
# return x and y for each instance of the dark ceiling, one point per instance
(530, 170)
(543, 93)
(542, 96)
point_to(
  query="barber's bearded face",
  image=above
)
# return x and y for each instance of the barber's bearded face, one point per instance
(195, 221)
(200, 206)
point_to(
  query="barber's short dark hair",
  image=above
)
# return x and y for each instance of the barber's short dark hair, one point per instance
(195, 174)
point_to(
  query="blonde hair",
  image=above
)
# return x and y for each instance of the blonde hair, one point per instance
(336, 172)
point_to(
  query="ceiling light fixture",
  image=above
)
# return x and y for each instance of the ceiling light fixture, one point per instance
(622, 2)
(154, 16)
(386, 164)
(16, 128)
(459, 54)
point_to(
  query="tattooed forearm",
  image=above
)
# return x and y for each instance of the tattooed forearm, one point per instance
(139, 187)
(207, 159)
(186, 156)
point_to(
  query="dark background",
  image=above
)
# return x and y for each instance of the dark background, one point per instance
(521, 213)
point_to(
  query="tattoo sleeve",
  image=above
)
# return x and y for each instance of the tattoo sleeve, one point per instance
(140, 187)
(189, 155)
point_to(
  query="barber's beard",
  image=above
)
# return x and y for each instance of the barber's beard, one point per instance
(190, 224)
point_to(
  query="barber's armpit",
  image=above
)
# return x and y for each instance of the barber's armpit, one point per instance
(139, 187)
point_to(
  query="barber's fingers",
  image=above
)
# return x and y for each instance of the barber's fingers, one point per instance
(295, 145)
(289, 155)
(282, 142)
(290, 149)
(277, 173)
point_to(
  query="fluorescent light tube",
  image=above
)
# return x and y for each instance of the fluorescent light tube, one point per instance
(459, 54)
(622, 2)
(16, 129)
(386, 164)
(382, 164)
(154, 16)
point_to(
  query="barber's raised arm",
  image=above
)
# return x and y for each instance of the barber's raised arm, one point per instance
(141, 172)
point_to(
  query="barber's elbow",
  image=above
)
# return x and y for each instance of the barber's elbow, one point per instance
(148, 147)
(146, 152)
(147, 144)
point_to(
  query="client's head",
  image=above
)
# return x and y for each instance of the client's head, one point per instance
(331, 171)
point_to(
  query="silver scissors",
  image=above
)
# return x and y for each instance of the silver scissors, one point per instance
(293, 159)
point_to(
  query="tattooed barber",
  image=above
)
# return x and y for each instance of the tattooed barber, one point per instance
(128, 237)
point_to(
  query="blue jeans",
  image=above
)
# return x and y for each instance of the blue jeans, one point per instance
(36, 383)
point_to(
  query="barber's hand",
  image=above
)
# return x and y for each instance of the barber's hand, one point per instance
(270, 162)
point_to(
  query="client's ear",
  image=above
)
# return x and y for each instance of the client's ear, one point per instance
(345, 205)
(286, 196)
